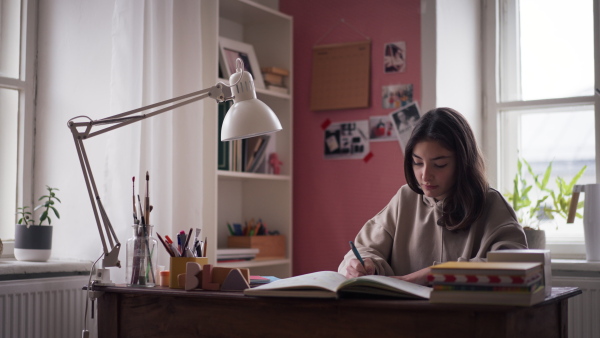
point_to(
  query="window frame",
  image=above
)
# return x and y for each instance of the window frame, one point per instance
(494, 146)
(26, 85)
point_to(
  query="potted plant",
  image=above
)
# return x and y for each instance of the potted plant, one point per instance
(549, 203)
(33, 242)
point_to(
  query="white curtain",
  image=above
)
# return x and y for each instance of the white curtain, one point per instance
(156, 55)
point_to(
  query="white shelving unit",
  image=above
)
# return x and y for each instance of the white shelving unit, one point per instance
(240, 196)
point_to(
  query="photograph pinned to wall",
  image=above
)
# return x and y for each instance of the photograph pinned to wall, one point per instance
(396, 96)
(404, 120)
(230, 50)
(381, 129)
(394, 57)
(347, 140)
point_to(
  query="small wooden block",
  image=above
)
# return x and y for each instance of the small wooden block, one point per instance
(181, 280)
(192, 273)
(235, 281)
(219, 274)
(207, 283)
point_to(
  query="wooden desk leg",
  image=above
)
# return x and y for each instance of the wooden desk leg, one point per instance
(108, 315)
(564, 318)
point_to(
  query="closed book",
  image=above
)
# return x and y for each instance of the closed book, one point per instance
(259, 155)
(485, 287)
(526, 255)
(488, 297)
(253, 146)
(487, 268)
(484, 279)
(276, 70)
(273, 79)
(223, 146)
(330, 284)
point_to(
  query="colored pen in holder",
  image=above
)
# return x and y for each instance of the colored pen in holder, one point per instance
(141, 257)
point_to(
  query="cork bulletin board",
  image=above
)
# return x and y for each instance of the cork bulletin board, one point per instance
(341, 76)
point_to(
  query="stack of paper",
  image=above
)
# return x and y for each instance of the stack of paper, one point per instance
(499, 283)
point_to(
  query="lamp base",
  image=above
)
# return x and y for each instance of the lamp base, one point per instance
(102, 277)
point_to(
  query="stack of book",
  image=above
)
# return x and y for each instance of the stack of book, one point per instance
(236, 254)
(275, 79)
(497, 283)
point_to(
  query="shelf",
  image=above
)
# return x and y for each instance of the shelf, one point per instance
(260, 91)
(248, 13)
(242, 196)
(238, 175)
(254, 263)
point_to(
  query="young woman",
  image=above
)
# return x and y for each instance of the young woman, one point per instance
(445, 212)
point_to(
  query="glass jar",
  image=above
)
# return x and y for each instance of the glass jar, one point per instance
(141, 257)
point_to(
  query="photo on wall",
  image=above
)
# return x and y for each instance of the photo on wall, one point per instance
(381, 129)
(404, 120)
(347, 140)
(396, 96)
(394, 57)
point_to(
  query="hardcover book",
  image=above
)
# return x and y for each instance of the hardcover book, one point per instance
(487, 268)
(330, 284)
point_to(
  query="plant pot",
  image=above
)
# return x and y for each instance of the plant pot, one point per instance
(536, 239)
(33, 243)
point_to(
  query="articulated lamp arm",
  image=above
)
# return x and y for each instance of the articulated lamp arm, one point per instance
(83, 130)
(246, 118)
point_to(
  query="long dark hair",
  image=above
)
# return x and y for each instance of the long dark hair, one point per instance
(466, 198)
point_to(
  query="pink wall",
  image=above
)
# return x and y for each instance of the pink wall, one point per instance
(334, 198)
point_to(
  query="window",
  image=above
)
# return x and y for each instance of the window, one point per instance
(17, 41)
(540, 93)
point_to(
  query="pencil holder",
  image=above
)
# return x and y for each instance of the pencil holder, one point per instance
(178, 266)
(141, 257)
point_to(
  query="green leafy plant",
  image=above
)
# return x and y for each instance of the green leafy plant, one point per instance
(47, 205)
(530, 214)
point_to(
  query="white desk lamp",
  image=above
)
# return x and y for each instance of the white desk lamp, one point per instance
(247, 117)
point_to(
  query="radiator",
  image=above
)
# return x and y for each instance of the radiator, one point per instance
(584, 310)
(44, 307)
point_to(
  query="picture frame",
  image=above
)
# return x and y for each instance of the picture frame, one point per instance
(230, 50)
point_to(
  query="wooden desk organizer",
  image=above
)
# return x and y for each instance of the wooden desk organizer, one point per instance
(270, 246)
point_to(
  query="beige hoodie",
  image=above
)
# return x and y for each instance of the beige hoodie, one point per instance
(404, 237)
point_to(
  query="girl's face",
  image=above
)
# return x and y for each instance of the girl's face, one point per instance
(434, 167)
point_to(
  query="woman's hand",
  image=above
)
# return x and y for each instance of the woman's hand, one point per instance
(417, 277)
(355, 269)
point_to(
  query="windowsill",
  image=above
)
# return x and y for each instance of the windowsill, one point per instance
(12, 269)
(575, 268)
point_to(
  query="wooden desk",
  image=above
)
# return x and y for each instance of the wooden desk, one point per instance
(163, 312)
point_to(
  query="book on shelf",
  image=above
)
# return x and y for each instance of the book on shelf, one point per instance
(236, 254)
(256, 152)
(330, 284)
(223, 146)
(274, 79)
(276, 70)
(494, 283)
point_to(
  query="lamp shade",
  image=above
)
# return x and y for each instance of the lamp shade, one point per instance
(248, 116)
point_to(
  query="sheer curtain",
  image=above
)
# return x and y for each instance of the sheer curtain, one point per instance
(156, 55)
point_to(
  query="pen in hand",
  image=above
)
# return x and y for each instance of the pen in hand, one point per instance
(357, 254)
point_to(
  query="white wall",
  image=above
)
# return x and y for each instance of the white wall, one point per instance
(74, 58)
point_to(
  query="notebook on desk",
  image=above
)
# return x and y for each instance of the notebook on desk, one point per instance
(330, 284)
